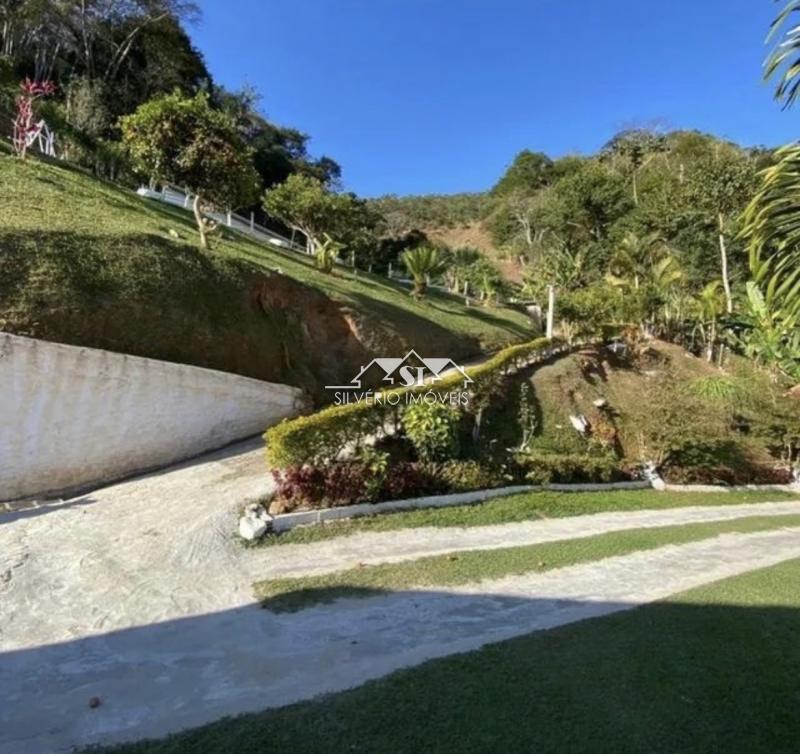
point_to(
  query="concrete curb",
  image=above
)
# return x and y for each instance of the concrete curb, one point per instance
(286, 521)
(793, 488)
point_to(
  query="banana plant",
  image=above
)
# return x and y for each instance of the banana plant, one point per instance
(327, 253)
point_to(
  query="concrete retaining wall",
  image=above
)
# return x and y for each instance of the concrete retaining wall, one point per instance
(71, 417)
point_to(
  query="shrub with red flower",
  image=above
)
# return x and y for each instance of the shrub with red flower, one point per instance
(24, 127)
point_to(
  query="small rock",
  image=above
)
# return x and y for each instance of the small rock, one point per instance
(95, 702)
(251, 528)
(174, 233)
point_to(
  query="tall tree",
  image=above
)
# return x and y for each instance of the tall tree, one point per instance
(722, 186)
(305, 205)
(184, 141)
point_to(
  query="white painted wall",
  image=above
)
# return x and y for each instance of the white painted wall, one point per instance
(73, 416)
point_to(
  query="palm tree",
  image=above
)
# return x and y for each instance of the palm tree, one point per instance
(708, 307)
(772, 223)
(422, 263)
(633, 260)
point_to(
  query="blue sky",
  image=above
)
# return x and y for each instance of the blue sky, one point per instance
(437, 96)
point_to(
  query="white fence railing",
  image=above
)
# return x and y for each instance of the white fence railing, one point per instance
(178, 198)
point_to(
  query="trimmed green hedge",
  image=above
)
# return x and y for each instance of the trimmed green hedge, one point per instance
(319, 438)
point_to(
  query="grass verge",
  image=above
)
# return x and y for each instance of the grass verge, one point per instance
(473, 566)
(524, 507)
(713, 669)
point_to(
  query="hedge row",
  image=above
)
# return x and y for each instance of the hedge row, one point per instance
(320, 438)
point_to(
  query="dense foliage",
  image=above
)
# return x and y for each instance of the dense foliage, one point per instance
(184, 141)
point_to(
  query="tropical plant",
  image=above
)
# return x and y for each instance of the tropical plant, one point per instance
(183, 140)
(458, 265)
(422, 263)
(24, 127)
(327, 253)
(707, 307)
(634, 260)
(772, 226)
(772, 329)
(783, 63)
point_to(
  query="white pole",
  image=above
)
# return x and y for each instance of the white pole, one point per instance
(390, 271)
(551, 307)
(229, 218)
(252, 222)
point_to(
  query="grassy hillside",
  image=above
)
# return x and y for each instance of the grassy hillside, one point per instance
(89, 263)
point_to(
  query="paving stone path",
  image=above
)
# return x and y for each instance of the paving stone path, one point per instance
(140, 595)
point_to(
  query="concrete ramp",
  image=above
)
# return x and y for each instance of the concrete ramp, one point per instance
(71, 417)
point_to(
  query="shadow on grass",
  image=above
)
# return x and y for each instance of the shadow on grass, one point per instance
(694, 675)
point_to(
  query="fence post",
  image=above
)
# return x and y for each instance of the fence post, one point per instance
(389, 274)
(228, 215)
(252, 222)
(551, 305)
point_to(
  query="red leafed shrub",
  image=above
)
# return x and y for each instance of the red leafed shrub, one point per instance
(24, 126)
(298, 485)
(412, 480)
(347, 483)
(343, 483)
(350, 482)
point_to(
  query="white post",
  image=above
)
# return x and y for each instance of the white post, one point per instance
(252, 222)
(228, 216)
(551, 307)
(389, 274)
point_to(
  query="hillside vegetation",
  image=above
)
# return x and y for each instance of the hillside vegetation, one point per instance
(89, 263)
(657, 403)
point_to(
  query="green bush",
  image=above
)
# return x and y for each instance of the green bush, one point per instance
(551, 467)
(319, 438)
(465, 476)
(433, 430)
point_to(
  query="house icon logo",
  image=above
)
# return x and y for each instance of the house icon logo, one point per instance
(409, 371)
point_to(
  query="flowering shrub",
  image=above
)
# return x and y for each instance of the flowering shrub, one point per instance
(24, 127)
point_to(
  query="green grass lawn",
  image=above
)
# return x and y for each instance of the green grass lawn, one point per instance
(290, 594)
(87, 262)
(716, 669)
(525, 507)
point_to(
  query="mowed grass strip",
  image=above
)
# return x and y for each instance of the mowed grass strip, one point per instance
(715, 669)
(525, 507)
(474, 566)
